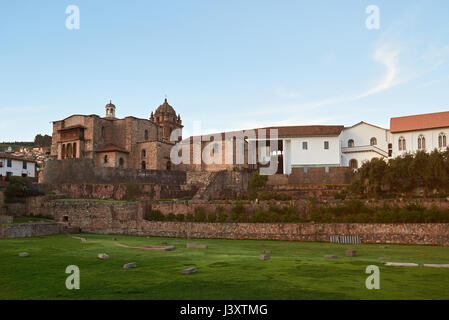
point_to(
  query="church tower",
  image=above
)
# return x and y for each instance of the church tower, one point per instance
(165, 116)
(110, 110)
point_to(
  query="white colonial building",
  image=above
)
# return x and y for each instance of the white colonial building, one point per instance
(419, 132)
(363, 142)
(330, 146)
(16, 166)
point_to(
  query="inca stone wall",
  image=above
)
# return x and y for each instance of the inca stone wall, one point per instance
(28, 230)
(115, 217)
(83, 171)
(335, 175)
(428, 234)
(120, 217)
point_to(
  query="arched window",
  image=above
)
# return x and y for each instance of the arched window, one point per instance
(144, 165)
(69, 150)
(353, 164)
(421, 142)
(442, 140)
(105, 159)
(144, 153)
(146, 135)
(350, 143)
(74, 149)
(401, 144)
(121, 163)
(373, 141)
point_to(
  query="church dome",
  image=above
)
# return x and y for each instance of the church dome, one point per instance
(165, 108)
(110, 105)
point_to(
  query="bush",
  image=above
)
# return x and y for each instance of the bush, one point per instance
(222, 217)
(155, 215)
(180, 217)
(190, 217)
(200, 215)
(171, 217)
(211, 217)
(20, 187)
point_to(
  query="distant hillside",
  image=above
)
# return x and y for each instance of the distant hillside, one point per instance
(16, 145)
(39, 141)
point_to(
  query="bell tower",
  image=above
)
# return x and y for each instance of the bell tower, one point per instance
(110, 110)
(165, 116)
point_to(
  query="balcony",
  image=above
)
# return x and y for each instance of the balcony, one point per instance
(365, 149)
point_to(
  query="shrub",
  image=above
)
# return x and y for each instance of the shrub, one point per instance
(155, 215)
(222, 217)
(190, 217)
(257, 181)
(211, 217)
(200, 215)
(171, 217)
(180, 217)
(341, 195)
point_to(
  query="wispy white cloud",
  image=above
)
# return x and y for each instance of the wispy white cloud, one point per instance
(387, 56)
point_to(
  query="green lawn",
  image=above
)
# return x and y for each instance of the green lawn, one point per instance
(229, 269)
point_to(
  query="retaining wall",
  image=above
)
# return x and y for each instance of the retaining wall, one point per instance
(28, 230)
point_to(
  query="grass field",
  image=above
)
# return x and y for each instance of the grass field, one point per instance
(228, 269)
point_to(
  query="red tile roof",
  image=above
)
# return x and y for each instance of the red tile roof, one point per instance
(292, 131)
(420, 122)
(8, 156)
(289, 131)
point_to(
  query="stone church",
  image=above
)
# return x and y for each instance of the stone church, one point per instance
(130, 142)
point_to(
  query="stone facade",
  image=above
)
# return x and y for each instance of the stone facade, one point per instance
(6, 219)
(84, 171)
(128, 218)
(28, 230)
(119, 143)
(421, 234)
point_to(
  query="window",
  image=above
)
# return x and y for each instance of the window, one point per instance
(24, 165)
(121, 163)
(390, 149)
(144, 165)
(63, 151)
(1, 164)
(304, 145)
(373, 141)
(102, 131)
(353, 164)
(326, 145)
(401, 144)
(144, 153)
(146, 134)
(74, 149)
(421, 142)
(9, 163)
(105, 159)
(350, 143)
(442, 140)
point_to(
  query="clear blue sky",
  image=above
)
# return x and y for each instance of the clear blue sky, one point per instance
(229, 64)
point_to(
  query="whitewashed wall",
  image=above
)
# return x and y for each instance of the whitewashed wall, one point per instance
(315, 153)
(411, 138)
(362, 134)
(17, 168)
